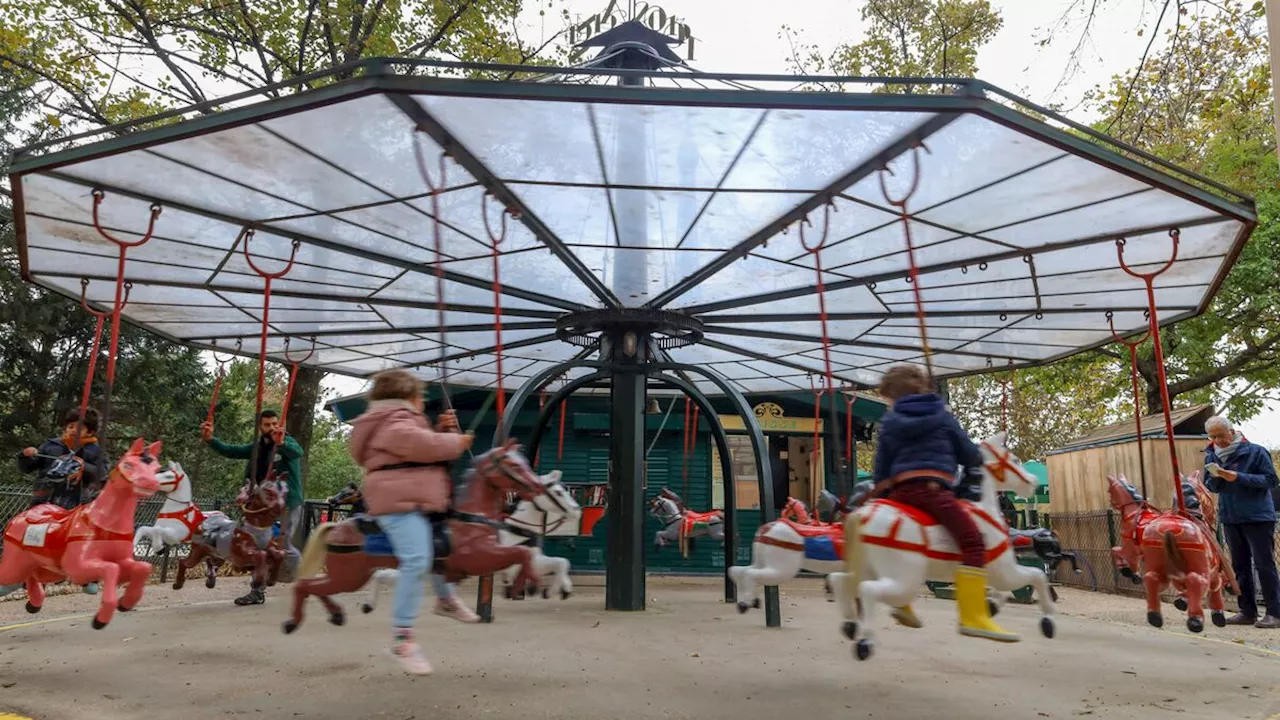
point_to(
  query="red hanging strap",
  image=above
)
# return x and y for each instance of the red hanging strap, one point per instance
(1153, 324)
(101, 316)
(293, 376)
(496, 239)
(118, 305)
(913, 271)
(1132, 345)
(816, 251)
(219, 376)
(437, 240)
(693, 447)
(848, 430)
(815, 458)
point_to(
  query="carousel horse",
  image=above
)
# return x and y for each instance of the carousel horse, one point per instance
(249, 544)
(525, 525)
(796, 511)
(350, 495)
(783, 548)
(681, 525)
(466, 538)
(890, 549)
(1163, 549)
(179, 519)
(92, 543)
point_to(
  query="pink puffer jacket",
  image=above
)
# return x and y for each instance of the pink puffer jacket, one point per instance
(393, 432)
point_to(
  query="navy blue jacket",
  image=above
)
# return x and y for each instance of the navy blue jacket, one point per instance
(919, 434)
(1248, 499)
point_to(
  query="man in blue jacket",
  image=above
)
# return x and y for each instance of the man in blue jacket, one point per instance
(1244, 477)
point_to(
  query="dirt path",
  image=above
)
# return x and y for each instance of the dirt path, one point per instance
(687, 657)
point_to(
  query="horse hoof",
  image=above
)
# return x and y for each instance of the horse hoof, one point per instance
(366, 608)
(743, 607)
(210, 582)
(1195, 624)
(862, 649)
(564, 594)
(1180, 603)
(1047, 627)
(546, 593)
(755, 603)
(1155, 619)
(33, 609)
(993, 608)
(1126, 572)
(1135, 579)
(289, 626)
(339, 618)
(1219, 620)
(850, 629)
(97, 624)
(1053, 593)
(122, 608)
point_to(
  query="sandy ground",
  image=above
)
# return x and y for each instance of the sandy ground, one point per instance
(193, 655)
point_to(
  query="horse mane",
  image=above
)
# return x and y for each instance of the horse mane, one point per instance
(1208, 503)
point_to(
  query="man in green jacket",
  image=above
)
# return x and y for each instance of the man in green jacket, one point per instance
(286, 454)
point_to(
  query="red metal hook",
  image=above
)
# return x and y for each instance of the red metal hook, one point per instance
(293, 375)
(816, 251)
(913, 271)
(1133, 345)
(219, 376)
(156, 209)
(101, 316)
(495, 240)
(1153, 324)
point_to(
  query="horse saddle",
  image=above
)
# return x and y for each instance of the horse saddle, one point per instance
(216, 532)
(821, 542)
(46, 528)
(376, 541)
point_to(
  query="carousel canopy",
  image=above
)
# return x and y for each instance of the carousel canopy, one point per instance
(626, 195)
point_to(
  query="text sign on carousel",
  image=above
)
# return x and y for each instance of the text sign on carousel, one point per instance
(771, 419)
(652, 16)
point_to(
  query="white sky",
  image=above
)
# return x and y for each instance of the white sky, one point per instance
(743, 36)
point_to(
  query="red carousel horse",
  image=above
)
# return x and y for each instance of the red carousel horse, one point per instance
(1169, 548)
(350, 551)
(92, 543)
(248, 545)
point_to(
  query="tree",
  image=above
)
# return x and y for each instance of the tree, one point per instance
(332, 466)
(1204, 102)
(86, 64)
(908, 38)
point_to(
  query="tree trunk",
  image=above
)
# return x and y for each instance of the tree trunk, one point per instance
(302, 412)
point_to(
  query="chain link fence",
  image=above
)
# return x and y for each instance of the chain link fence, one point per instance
(1091, 535)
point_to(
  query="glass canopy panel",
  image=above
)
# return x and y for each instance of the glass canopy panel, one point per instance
(636, 275)
(735, 370)
(535, 271)
(753, 275)
(84, 240)
(1144, 209)
(420, 287)
(703, 355)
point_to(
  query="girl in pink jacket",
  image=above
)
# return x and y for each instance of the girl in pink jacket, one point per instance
(406, 475)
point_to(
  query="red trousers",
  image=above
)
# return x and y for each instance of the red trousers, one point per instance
(942, 504)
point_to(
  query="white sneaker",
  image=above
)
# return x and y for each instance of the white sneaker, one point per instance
(410, 657)
(455, 609)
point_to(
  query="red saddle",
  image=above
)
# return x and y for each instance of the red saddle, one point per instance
(691, 519)
(831, 530)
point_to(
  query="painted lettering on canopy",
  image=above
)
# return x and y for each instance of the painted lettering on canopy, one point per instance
(655, 18)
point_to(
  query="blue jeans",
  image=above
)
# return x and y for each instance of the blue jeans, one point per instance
(410, 536)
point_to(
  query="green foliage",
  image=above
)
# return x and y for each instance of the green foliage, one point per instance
(332, 466)
(909, 38)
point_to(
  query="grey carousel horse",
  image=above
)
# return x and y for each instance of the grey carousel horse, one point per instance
(681, 525)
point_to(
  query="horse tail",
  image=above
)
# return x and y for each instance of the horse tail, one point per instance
(1172, 553)
(313, 554)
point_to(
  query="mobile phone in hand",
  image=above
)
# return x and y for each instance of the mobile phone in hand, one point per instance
(1214, 469)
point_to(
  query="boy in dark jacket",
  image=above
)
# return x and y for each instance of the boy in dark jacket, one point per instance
(921, 445)
(61, 474)
(1244, 478)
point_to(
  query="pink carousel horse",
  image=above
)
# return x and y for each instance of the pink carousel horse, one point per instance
(891, 549)
(92, 543)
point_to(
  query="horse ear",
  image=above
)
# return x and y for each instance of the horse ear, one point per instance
(999, 438)
(154, 449)
(554, 475)
(136, 447)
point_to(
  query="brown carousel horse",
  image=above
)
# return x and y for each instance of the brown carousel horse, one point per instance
(248, 545)
(1169, 548)
(467, 545)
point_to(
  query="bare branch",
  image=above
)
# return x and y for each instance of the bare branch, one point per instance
(425, 46)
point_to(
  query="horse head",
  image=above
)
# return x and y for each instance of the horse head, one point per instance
(506, 469)
(261, 503)
(1004, 469)
(556, 500)
(171, 478)
(663, 507)
(1123, 494)
(139, 468)
(795, 510)
(1200, 503)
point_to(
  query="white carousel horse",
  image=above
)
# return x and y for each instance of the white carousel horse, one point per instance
(784, 547)
(179, 519)
(681, 525)
(891, 549)
(555, 513)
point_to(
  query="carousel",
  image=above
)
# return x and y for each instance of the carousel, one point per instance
(628, 226)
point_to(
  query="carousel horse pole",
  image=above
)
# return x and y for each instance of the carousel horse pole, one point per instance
(349, 552)
(891, 549)
(92, 543)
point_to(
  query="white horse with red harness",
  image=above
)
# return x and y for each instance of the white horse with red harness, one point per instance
(891, 549)
(179, 519)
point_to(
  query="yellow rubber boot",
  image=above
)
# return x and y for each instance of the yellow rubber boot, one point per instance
(907, 617)
(971, 599)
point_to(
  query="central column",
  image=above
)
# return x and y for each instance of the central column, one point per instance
(625, 351)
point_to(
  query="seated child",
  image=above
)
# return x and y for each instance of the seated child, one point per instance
(406, 475)
(66, 491)
(920, 446)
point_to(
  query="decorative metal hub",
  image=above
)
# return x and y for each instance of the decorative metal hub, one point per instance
(668, 329)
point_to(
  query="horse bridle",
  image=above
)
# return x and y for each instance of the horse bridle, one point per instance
(1002, 464)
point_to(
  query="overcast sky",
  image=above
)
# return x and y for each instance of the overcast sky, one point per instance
(744, 36)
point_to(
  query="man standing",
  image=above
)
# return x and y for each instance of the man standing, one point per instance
(1243, 475)
(279, 452)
